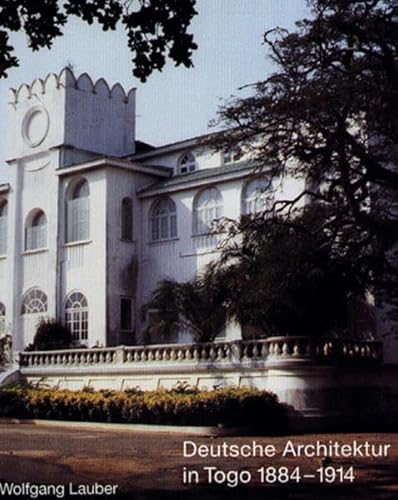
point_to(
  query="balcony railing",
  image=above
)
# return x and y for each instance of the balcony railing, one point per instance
(262, 352)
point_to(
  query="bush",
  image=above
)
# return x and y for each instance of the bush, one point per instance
(51, 334)
(259, 410)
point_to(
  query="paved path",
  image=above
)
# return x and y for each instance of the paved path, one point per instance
(146, 465)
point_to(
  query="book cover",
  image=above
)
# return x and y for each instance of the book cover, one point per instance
(198, 249)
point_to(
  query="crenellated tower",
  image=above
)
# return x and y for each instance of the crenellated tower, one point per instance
(55, 125)
(76, 115)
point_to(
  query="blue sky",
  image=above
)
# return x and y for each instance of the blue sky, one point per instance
(177, 103)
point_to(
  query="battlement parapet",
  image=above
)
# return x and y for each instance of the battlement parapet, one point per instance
(67, 79)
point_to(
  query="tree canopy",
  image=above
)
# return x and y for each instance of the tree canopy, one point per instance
(283, 277)
(195, 306)
(156, 29)
(287, 276)
(328, 115)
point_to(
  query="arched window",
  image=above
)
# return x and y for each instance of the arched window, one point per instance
(127, 219)
(163, 219)
(34, 301)
(78, 213)
(256, 196)
(76, 316)
(2, 317)
(36, 230)
(3, 227)
(207, 208)
(187, 163)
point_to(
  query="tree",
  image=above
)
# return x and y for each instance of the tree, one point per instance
(195, 306)
(287, 276)
(156, 29)
(328, 115)
(50, 334)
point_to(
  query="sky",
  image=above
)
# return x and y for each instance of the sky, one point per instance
(176, 103)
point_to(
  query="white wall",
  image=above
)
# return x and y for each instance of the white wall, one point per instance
(123, 262)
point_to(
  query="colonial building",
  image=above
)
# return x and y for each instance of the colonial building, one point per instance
(91, 219)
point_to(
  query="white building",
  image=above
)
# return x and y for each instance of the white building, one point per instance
(91, 219)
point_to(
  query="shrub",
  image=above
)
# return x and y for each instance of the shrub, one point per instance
(259, 410)
(51, 334)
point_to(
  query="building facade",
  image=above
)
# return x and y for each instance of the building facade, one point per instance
(91, 219)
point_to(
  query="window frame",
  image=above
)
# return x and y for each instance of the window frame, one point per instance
(35, 232)
(252, 204)
(187, 161)
(233, 155)
(78, 212)
(203, 220)
(163, 226)
(76, 317)
(35, 299)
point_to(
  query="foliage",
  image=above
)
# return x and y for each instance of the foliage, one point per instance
(328, 116)
(289, 277)
(156, 29)
(229, 406)
(51, 334)
(196, 306)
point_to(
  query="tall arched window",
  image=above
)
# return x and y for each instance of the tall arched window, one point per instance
(3, 227)
(163, 219)
(78, 213)
(187, 163)
(127, 219)
(76, 316)
(36, 230)
(207, 208)
(34, 301)
(2, 318)
(256, 196)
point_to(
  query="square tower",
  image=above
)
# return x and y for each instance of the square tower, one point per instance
(55, 239)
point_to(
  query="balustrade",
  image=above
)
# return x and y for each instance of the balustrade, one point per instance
(259, 351)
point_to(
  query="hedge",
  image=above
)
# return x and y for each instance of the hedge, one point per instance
(229, 406)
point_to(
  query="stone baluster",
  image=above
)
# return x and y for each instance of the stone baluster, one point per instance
(255, 351)
(237, 351)
(245, 353)
(272, 349)
(212, 354)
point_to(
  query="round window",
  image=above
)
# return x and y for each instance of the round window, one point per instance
(35, 126)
